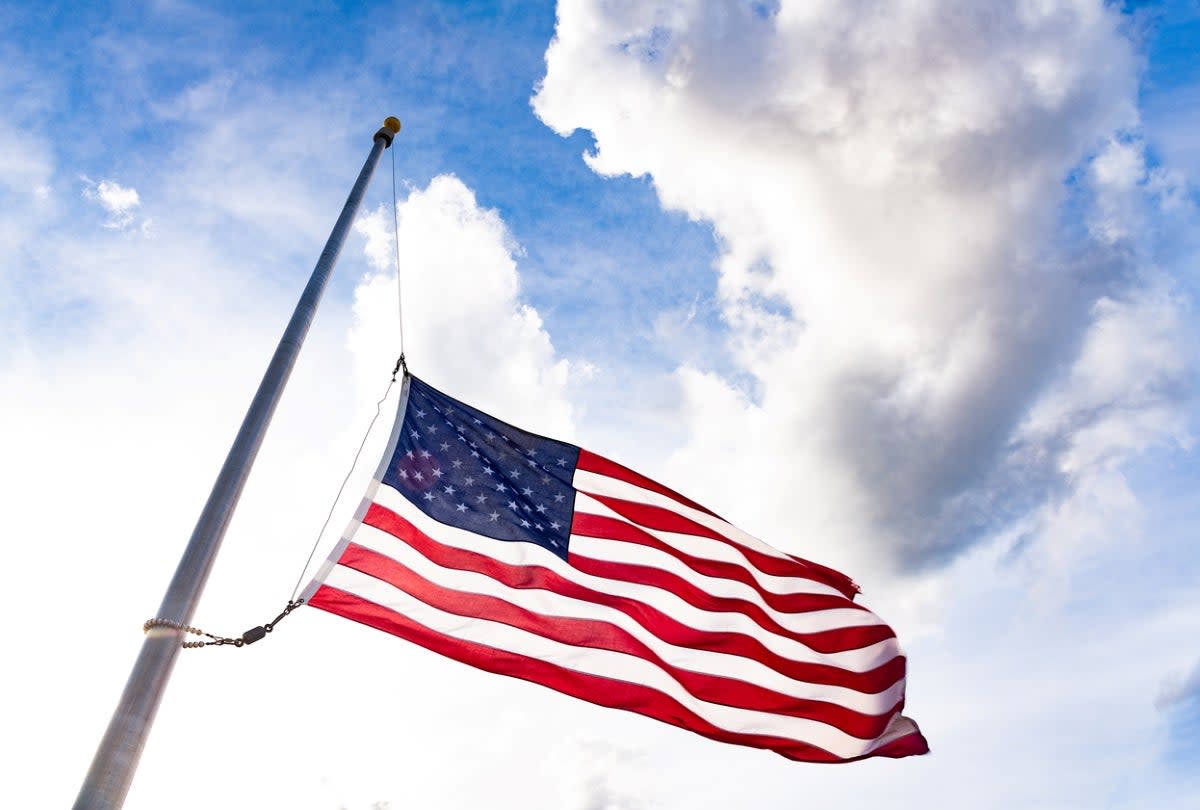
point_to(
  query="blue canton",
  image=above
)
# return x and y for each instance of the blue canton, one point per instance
(470, 470)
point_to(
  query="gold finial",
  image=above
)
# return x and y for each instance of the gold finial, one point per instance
(392, 123)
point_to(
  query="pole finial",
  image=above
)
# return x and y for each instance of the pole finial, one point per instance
(391, 126)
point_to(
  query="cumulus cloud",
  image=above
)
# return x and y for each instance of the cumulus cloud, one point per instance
(117, 201)
(167, 348)
(465, 327)
(898, 274)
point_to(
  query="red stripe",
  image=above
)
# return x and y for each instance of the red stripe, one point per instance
(599, 464)
(663, 519)
(601, 691)
(610, 528)
(685, 590)
(909, 745)
(660, 624)
(597, 634)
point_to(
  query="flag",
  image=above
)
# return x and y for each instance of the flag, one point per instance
(534, 558)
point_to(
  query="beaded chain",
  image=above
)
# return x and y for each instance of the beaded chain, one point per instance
(249, 637)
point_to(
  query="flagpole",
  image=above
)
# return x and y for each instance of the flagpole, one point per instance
(108, 779)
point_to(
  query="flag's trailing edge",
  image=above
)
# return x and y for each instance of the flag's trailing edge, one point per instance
(534, 558)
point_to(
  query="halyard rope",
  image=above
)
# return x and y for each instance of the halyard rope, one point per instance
(396, 243)
(256, 633)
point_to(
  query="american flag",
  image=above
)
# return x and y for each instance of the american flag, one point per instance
(534, 558)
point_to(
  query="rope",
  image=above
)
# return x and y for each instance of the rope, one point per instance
(256, 633)
(353, 464)
(396, 242)
(400, 364)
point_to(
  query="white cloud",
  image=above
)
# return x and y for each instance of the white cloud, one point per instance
(25, 161)
(939, 266)
(1120, 394)
(887, 182)
(117, 201)
(137, 404)
(26, 193)
(127, 364)
(465, 326)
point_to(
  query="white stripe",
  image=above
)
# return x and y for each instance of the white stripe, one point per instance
(634, 554)
(549, 603)
(602, 663)
(704, 548)
(518, 553)
(599, 484)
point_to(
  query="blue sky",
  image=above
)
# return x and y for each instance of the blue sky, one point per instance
(908, 290)
(460, 74)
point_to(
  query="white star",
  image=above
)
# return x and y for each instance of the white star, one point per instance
(541, 508)
(527, 491)
(456, 463)
(429, 496)
(531, 452)
(487, 470)
(445, 446)
(415, 434)
(417, 475)
(500, 487)
(409, 454)
(449, 490)
(562, 462)
(474, 454)
(524, 523)
(555, 525)
(480, 499)
(559, 498)
(477, 421)
(469, 481)
(494, 516)
(515, 473)
(426, 454)
(404, 474)
(431, 429)
(437, 472)
(420, 413)
(462, 507)
(512, 505)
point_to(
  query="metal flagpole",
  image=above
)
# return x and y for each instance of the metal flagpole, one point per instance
(107, 781)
